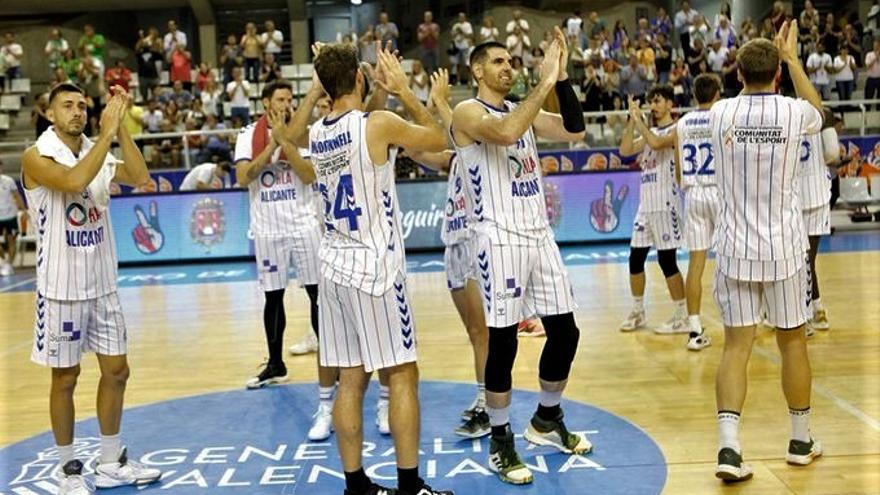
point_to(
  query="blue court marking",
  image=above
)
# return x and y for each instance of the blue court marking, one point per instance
(255, 442)
(416, 263)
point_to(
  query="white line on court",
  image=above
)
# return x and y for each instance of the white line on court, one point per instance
(17, 284)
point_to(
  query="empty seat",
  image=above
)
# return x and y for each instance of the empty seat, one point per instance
(875, 187)
(10, 103)
(20, 85)
(305, 71)
(288, 71)
(4, 121)
(854, 189)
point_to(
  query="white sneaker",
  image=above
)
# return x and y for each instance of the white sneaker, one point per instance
(803, 453)
(382, 418)
(634, 321)
(698, 340)
(125, 472)
(309, 343)
(72, 482)
(6, 269)
(322, 426)
(820, 320)
(676, 324)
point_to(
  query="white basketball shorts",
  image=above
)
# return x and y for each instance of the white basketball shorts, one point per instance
(359, 329)
(661, 229)
(64, 330)
(461, 265)
(701, 209)
(787, 301)
(277, 255)
(818, 220)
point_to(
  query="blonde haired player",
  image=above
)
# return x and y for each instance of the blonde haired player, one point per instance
(762, 242)
(66, 178)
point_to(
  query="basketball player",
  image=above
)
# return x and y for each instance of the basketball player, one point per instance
(521, 271)
(206, 176)
(658, 221)
(283, 222)
(10, 204)
(460, 259)
(817, 151)
(66, 178)
(762, 242)
(366, 319)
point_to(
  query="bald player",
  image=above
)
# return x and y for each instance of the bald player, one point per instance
(521, 271)
(762, 241)
(67, 179)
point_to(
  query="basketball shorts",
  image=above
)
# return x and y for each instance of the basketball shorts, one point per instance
(702, 207)
(9, 226)
(519, 281)
(277, 256)
(359, 329)
(661, 229)
(64, 330)
(460, 262)
(787, 300)
(818, 220)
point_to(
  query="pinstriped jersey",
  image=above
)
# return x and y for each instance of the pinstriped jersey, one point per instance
(757, 141)
(815, 176)
(658, 190)
(363, 243)
(76, 250)
(506, 187)
(458, 212)
(281, 204)
(695, 149)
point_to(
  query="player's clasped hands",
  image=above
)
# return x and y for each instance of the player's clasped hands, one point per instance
(439, 87)
(551, 66)
(114, 112)
(635, 110)
(786, 41)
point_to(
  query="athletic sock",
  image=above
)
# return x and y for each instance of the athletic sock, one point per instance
(65, 454)
(681, 308)
(481, 395)
(383, 395)
(639, 303)
(499, 419)
(110, 445)
(728, 429)
(695, 324)
(800, 424)
(550, 399)
(408, 480)
(548, 413)
(357, 481)
(817, 305)
(325, 395)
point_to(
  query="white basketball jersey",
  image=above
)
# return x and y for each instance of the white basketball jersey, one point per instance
(76, 250)
(658, 190)
(815, 176)
(458, 212)
(506, 187)
(281, 204)
(695, 149)
(363, 244)
(757, 142)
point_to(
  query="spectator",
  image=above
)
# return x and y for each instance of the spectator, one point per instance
(70, 65)
(619, 35)
(270, 70)
(831, 34)
(206, 176)
(152, 119)
(730, 78)
(58, 76)
(818, 65)
(488, 31)
(872, 68)
(202, 76)
(545, 43)
(118, 75)
(747, 31)
(611, 86)
(181, 97)
(696, 58)
(91, 80)
(725, 32)
(181, 66)
(387, 31)
(536, 58)
(615, 122)
(633, 79)
(684, 20)
(518, 21)
(11, 204)
(625, 52)
(724, 11)
(852, 41)
(38, 115)
(211, 96)
(237, 91)
(252, 51)
(12, 53)
(844, 73)
(663, 60)
(574, 25)
(462, 41)
(808, 35)
(593, 85)
(230, 55)
(700, 30)
(577, 60)
(520, 75)
(646, 56)
(215, 144)
(597, 24)
(149, 54)
(518, 42)
(643, 30)
(173, 38)
(419, 82)
(428, 35)
(809, 14)
(133, 120)
(716, 56)
(272, 39)
(768, 30)
(367, 43)
(195, 113)
(680, 79)
(873, 20)
(595, 50)
(93, 44)
(55, 48)
(662, 24)
(777, 15)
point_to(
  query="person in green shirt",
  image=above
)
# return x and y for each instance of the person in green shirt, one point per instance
(93, 43)
(55, 48)
(70, 64)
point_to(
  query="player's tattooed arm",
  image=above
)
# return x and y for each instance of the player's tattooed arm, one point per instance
(786, 43)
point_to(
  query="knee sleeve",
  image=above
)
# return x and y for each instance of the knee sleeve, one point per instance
(637, 258)
(666, 258)
(499, 363)
(312, 291)
(559, 350)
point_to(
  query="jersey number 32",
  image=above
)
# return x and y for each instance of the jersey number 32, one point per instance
(690, 159)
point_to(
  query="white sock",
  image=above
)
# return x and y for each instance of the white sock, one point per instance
(694, 323)
(728, 429)
(681, 308)
(817, 305)
(498, 417)
(65, 454)
(383, 395)
(800, 424)
(481, 395)
(325, 395)
(550, 399)
(110, 446)
(639, 303)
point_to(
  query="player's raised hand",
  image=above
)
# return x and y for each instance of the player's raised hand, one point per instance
(439, 87)
(395, 79)
(635, 110)
(550, 66)
(786, 41)
(559, 36)
(278, 123)
(111, 117)
(316, 49)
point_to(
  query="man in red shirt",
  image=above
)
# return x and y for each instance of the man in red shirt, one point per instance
(118, 75)
(180, 61)
(428, 34)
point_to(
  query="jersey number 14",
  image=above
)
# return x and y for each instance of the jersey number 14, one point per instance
(344, 204)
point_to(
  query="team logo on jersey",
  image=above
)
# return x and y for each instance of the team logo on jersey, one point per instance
(147, 235)
(525, 166)
(208, 223)
(267, 178)
(76, 215)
